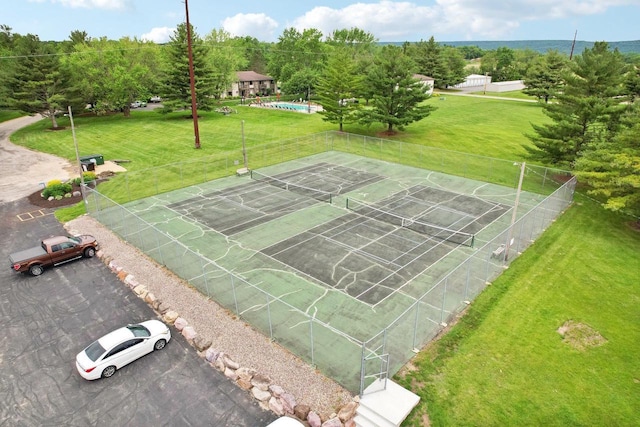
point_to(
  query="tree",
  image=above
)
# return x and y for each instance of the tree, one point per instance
(338, 88)
(112, 74)
(612, 168)
(297, 59)
(588, 109)
(396, 93)
(455, 66)
(224, 61)
(254, 53)
(175, 82)
(37, 83)
(429, 60)
(544, 79)
(7, 42)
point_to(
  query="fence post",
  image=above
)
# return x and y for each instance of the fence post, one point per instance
(269, 317)
(313, 359)
(415, 324)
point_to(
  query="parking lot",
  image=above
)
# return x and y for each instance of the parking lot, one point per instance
(47, 320)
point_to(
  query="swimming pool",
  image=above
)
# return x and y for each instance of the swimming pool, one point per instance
(303, 108)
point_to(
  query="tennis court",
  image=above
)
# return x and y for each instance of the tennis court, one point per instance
(326, 252)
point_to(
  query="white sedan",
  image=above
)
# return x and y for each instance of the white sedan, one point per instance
(119, 348)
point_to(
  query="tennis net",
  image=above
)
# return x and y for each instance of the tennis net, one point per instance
(323, 196)
(454, 236)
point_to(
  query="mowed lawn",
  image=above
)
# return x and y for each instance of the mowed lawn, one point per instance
(504, 363)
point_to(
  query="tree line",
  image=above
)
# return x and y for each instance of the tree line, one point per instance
(591, 100)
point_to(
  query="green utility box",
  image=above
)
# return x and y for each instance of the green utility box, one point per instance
(98, 159)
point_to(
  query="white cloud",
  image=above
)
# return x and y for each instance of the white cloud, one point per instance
(91, 4)
(387, 20)
(158, 35)
(257, 25)
(402, 20)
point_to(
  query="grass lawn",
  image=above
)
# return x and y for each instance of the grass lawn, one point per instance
(149, 139)
(504, 363)
(9, 115)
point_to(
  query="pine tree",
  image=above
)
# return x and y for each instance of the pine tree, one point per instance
(544, 79)
(588, 108)
(337, 88)
(612, 168)
(37, 83)
(396, 93)
(176, 86)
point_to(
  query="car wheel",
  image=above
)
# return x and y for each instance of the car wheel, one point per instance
(36, 270)
(89, 252)
(108, 371)
(159, 345)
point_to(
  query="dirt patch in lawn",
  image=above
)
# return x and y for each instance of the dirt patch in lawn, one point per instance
(580, 336)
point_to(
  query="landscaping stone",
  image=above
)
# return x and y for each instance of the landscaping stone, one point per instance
(180, 323)
(189, 333)
(261, 395)
(276, 406)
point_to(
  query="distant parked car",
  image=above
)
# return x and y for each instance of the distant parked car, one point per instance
(155, 99)
(103, 357)
(135, 104)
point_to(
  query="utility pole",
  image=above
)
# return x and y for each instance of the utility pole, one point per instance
(192, 80)
(573, 45)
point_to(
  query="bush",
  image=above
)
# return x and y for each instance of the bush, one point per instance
(88, 177)
(55, 188)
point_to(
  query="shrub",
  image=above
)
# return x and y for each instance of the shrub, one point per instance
(88, 177)
(56, 189)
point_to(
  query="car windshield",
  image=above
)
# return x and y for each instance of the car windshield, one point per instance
(139, 331)
(75, 239)
(94, 351)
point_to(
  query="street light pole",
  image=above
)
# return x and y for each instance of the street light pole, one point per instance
(75, 143)
(514, 214)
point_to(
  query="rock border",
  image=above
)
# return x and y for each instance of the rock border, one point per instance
(270, 397)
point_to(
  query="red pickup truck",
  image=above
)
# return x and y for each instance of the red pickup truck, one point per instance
(53, 251)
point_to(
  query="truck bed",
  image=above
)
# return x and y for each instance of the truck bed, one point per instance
(21, 256)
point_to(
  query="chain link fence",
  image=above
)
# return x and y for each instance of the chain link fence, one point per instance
(352, 361)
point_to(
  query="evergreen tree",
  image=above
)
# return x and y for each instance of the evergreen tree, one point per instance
(397, 95)
(338, 88)
(612, 168)
(544, 78)
(37, 83)
(430, 61)
(175, 81)
(588, 109)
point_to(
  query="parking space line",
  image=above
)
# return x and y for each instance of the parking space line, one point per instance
(28, 216)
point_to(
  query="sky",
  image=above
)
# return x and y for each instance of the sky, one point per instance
(388, 21)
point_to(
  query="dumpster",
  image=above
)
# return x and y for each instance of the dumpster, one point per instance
(98, 159)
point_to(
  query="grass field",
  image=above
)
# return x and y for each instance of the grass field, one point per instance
(9, 114)
(503, 363)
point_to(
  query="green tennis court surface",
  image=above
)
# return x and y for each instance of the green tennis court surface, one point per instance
(325, 252)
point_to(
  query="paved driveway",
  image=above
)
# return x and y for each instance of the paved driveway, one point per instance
(47, 320)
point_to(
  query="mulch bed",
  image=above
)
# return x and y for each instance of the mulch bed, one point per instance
(36, 198)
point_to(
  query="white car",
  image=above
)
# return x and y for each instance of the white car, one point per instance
(286, 422)
(119, 348)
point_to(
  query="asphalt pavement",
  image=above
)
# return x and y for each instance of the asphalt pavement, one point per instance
(47, 320)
